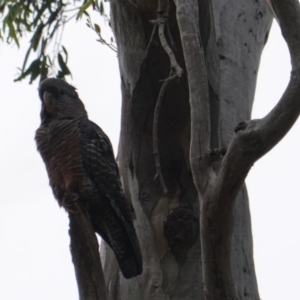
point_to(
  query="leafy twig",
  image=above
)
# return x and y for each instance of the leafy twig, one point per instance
(95, 27)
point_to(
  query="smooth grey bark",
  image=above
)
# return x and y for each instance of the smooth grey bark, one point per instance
(242, 29)
(233, 34)
(252, 140)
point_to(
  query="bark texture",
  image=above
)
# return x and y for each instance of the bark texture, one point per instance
(233, 34)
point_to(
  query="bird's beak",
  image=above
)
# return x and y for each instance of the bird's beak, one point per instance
(48, 100)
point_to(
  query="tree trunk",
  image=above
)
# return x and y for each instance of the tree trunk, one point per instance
(233, 34)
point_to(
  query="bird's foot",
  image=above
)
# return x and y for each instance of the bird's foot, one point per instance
(69, 202)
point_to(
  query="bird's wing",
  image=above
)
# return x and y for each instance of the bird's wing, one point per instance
(111, 216)
(99, 162)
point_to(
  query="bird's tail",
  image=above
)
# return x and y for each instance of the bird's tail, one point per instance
(130, 259)
(122, 239)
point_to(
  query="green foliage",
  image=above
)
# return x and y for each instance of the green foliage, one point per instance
(96, 28)
(83, 8)
(45, 20)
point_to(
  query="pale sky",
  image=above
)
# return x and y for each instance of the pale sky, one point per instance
(35, 262)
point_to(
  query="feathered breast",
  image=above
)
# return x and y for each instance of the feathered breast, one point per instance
(59, 145)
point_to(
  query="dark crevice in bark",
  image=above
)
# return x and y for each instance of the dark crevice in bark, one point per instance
(214, 117)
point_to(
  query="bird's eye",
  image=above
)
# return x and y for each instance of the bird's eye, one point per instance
(62, 92)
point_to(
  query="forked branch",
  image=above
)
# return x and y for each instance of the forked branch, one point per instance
(256, 137)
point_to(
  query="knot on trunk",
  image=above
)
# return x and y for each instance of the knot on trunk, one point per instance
(181, 230)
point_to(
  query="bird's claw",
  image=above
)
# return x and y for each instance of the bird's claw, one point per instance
(68, 202)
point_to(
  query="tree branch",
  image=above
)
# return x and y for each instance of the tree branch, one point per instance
(86, 258)
(187, 17)
(152, 36)
(272, 9)
(216, 263)
(163, 14)
(253, 139)
(155, 132)
(162, 21)
(256, 137)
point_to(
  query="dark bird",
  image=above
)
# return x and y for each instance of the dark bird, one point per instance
(81, 167)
